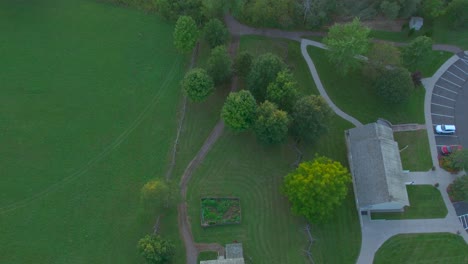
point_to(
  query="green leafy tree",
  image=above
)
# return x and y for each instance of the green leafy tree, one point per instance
(242, 63)
(381, 56)
(390, 9)
(271, 124)
(263, 71)
(316, 188)
(458, 190)
(197, 84)
(432, 8)
(416, 52)
(394, 85)
(215, 33)
(459, 159)
(213, 8)
(346, 41)
(155, 249)
(219, 65)
(408, 7)
(156, 194)
(185, 34)
(311, 116)
(457, 15)
(239, 110)
(171, 9)
(283, 91)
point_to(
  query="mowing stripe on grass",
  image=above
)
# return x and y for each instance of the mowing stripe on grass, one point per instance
(75, 175)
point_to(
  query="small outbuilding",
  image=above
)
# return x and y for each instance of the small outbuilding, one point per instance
(375, 164)
(416, 23)
(233, 255)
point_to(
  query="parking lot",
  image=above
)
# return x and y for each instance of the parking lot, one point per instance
(449, 103)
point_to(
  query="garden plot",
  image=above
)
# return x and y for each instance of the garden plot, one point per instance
(220, 211)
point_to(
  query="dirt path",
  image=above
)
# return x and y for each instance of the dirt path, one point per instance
(192, 249)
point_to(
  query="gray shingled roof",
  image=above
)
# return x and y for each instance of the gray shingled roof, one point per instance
(376, 165)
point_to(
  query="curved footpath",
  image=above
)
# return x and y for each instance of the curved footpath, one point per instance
(374, 232)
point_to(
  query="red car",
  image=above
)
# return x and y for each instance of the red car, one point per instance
(447, 150)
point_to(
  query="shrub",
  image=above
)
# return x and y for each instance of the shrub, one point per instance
(458, 190)
(394, 85)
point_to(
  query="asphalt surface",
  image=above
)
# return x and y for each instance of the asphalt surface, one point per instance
(449, 103)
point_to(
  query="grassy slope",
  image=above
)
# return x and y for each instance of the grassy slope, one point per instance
(423, 248)
(425, 202)
(356, 96)
(417, 156)
(88, 101)
(254, 172)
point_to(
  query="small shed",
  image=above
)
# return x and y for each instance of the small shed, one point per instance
(416, 23)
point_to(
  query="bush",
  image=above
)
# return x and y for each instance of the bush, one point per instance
(417, 51)
(458, 190)
(390, 9)
(394, 85)
(457, 13)
(156, 250)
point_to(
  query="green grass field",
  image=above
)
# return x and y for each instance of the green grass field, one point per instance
(355, 95)
(425, 202)
(416, 155)
(89, 97)
(423, 248)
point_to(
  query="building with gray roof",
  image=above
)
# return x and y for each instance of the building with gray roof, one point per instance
(374, 160)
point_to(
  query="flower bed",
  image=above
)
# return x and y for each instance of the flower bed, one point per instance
(220, 211)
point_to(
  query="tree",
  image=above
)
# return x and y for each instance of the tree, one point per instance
(458, 190)
(416, 51)
(283, 90)
(408, 7)
(459, 159)
(197, 84)
(263, 71)
(215, 33)
(155, 193)
(394, 85)
(316, 188)
(432, 8)
(456, 13)
(239, 110)
(381, 56)
(185, 34)
(346, 41)
(311, 116)
(219, 65)
(271, 124)
(390, 9)
(242, 63)
(315, 12)
(155, 250)
(212, 8)
(171, 9)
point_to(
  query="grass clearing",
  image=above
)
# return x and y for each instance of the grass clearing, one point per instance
(416, 155)
(88, 99)
(423, 248)
(425, 202)
(355, 95)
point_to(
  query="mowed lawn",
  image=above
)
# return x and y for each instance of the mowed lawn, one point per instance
(443, 248)
(239, 166)
(425, 202)
(355, 95)
(415, 152)
(88, 100)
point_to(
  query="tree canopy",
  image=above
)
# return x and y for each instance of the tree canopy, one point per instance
(242, 63)
(415, 53)
(316, 188)
(457, 14)
(215, 33)
(381, 56)
(263, 71)
(197, 84)
(311, 117)
(239, 110)
(185, 34)
(271, 124)
(394, 85)
(283, 90)
(219, 65)
(155, 193)
(155, 249)
(346, 41)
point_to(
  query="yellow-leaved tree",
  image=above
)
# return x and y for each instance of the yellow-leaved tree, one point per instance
(316, 188)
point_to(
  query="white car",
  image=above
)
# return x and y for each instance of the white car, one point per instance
(445, 129)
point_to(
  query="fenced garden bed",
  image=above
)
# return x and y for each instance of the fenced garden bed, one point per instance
(220, 211)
